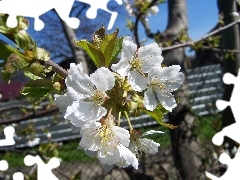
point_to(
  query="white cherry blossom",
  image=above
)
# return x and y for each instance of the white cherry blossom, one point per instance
(161, 82)
(85, 95)
(153, 9)
(108, 143)
(138, 144)
(135, 63)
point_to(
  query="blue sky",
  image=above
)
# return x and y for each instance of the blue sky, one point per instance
(202, 17)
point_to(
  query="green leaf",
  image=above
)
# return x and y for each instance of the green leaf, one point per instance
(13, 64)
(95, 54)
(107, 47)
(24, 40)
(22, 24)
(104, 47)
(36, 93)
(35, 71)
(38, 89)
(4, 29)
(117, 49)
(30, 75)
(7, 50)
(157, 114)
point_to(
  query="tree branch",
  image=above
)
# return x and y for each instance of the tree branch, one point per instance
(56, 68)
(147, 28)
(220, 50)
(204, 37)
(138, 17)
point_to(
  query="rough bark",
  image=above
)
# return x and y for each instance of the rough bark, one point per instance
(230, 40)
(184, 147)
(177, 23)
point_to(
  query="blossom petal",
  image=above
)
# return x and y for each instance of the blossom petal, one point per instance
(151, 132)
(91, 154)
(137, 81)
(76, 68)
(167, 100)
(103, 79)
(122, 135)
(127, 158)
(108, 155)
(128, 48)
(89, 111)
(63, 101)
(128, 51)
(171, 77)
(122, 67)
(150, 56)
(70, 115)
(79, 83)
(149, 99)
(148, 146)
(90, 140)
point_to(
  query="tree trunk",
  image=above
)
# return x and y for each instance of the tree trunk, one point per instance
(230, 40)
(78, 53)
(185, 148)
(177, 23)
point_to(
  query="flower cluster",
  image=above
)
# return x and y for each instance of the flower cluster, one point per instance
(130, 5)
(137, 83)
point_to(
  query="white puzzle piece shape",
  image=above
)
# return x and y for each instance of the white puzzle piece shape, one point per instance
(44, 171)
(3, 165)
(9, 134)
(232, 131)
(36, 8)
(232, 172)
(95, 5)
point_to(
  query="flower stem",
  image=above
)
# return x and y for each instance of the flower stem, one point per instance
(56, 68)
(119, 116)
(128, 120)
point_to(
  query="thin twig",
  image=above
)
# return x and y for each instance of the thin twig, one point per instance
(200, 39)
(220, 50)
(56, 68)
(138, 17)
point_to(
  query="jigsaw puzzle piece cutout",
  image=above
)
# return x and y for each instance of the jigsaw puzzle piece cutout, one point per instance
(44, 170)
(231, 131)
(95, 5)
(18, 176)
(36, 8)
(9, 134)
(3, 165)
(235, 97)
(232, 172)
(63, 9)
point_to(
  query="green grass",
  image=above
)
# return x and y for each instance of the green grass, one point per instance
(68, 152)
(14, 159)
(207, 126)
(162, 139)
